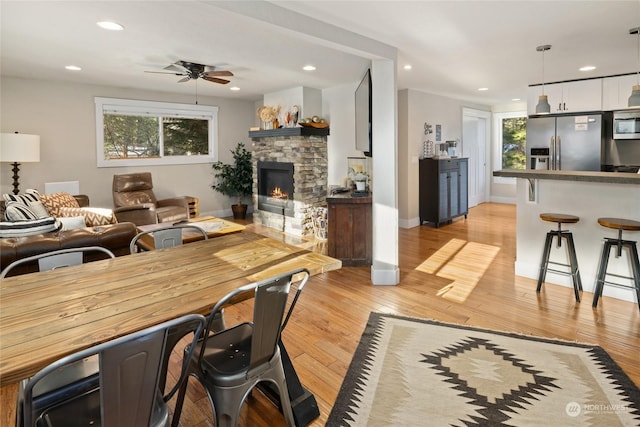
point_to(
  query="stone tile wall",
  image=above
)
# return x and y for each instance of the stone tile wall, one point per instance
(309, 157)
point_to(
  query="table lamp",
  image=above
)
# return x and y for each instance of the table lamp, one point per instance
(19, 148)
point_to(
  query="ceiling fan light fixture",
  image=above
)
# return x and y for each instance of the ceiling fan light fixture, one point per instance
(543, 106)
(109, 25)
(634, 99)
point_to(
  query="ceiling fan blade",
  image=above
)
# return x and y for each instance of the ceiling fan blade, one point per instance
(166, 72)
(218, 73)
(185, 79)
(176, 67)
(215, 80)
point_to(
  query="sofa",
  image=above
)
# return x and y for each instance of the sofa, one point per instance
(115, 237)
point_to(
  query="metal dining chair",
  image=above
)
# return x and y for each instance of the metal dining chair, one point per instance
(128, 389)
(231, 362)
(166, 237)
(57, 259)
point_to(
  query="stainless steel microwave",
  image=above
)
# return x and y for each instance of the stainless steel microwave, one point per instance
(626, 124)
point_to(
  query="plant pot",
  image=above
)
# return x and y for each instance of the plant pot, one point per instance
(360, 185)
(239, 211)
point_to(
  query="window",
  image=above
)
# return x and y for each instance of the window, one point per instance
(141, 133)
(510, 139)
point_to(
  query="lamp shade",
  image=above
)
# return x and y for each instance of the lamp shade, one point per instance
(634, 99)
(19, 148)
(543, 105)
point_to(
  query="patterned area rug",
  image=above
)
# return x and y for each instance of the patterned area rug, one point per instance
(416, 372)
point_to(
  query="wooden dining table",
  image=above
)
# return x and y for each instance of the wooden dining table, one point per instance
(45, 316)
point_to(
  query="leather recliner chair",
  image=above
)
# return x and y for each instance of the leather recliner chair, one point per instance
(134, 201)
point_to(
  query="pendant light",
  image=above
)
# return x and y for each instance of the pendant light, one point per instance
(543, 106)
(634, 99)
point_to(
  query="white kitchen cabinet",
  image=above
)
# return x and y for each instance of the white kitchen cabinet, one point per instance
(568, 97)
(616, 91)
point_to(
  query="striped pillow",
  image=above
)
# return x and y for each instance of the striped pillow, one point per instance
(15, 211)
(29, 196)
(27, 228)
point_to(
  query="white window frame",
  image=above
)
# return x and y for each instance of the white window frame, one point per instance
(497, 148)
(152, 108)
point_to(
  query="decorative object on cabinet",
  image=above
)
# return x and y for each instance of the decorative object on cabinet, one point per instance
(350, 229)
(358, 173)
(634, 99)
(443, 190)
(427, 144)
(19, 148)
(543, 104)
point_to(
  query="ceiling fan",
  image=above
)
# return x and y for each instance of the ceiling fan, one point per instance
(193, 71)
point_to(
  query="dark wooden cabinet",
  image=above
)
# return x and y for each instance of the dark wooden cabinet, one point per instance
(444, 193)
(350, 229)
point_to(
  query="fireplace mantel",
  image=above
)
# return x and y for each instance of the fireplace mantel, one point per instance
(297, 131)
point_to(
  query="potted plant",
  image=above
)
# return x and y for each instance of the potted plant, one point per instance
(236, 179)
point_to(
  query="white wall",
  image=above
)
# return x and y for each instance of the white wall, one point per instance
(420, 107)
(338, 107)
(63, 114)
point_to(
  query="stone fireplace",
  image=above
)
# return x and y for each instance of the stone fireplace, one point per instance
(289, 177)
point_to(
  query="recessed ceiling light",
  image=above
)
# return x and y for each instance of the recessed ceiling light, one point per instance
(234, 88)
(587, 68)
(482, 89)
(108, 25)
(407, 67)
(515, 99)
(72, 68)
(309, 68)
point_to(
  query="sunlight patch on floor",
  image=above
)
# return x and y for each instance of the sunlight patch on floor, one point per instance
(464, 263)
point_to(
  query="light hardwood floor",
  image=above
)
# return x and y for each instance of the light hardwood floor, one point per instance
(461, 273)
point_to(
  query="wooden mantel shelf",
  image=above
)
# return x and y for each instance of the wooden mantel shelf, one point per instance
(297, 131)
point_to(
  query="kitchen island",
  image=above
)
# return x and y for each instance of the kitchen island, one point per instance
(589, 195)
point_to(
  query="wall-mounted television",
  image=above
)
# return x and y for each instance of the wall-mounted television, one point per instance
(363, 115)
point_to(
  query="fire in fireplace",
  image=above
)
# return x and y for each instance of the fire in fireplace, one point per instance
(275, 187)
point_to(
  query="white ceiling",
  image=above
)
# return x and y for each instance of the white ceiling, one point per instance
(455, 47)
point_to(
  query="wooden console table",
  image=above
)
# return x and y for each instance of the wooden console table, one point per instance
(350, 229)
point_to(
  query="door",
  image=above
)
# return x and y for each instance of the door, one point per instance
(579, 142)
(475, 146)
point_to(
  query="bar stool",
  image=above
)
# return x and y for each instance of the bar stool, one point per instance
(571, 249)
(619, 224)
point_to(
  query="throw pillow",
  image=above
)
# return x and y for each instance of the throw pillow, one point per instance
(27, 228)
(92, 216)
(39, 209)
(28, 196)
(53, 202)
(72, 222)
(15, 211)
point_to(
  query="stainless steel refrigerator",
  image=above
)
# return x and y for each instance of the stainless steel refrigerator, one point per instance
(574, 142)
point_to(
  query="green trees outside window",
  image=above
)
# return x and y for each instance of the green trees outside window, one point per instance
(129, 136)
(514, 140)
